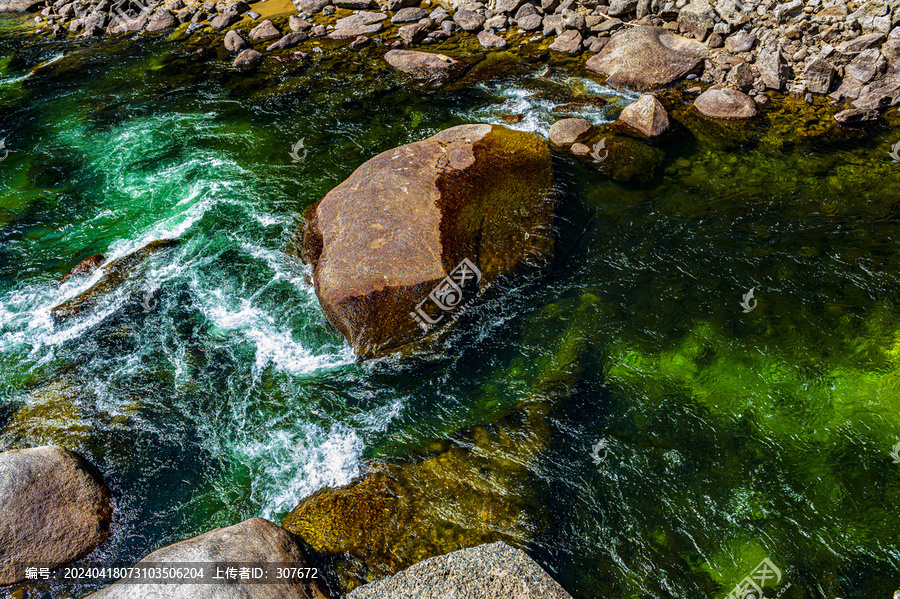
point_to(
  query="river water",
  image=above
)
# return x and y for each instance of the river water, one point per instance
(210, 389)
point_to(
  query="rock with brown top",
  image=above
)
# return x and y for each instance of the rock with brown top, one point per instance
(725, 103)
(646, 117)
(83, 268)
(566, 132)
(416, 229)
(255, 541)
(647, 58)
(426, 66)
(416, 32)
(354, 31)
(54, 509)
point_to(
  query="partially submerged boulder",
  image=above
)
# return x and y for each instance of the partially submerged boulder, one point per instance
(397, 246)
(54, 509)
(484, 572)
(115, 274)
(566, 132)
(647, 58)
(426, 66)
(647, 117)
(83, 268)
(254, 542)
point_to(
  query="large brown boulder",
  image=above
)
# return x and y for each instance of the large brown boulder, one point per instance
(253, 543)
(398, 246)
(83, 268)
(426, 66)
(54, 509)
(647, 58)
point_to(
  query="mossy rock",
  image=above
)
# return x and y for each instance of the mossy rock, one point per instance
(399, 514)
(627, 160)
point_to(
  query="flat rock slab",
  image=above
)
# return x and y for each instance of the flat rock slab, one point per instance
(725, 103)
(356, 31)
(426, 66)
(359, 19)
(54, 509)
(491, 571)
(385, 243)
(647, 58)
(253, 542)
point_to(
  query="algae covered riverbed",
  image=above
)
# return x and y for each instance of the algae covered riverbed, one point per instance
(617, 412)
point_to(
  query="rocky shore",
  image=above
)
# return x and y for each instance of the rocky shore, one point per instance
(849, 51)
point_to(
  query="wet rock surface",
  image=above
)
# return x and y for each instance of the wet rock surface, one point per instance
(382, 240)
(54, 509)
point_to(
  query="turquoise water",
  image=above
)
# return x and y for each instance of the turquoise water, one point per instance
(731, 436)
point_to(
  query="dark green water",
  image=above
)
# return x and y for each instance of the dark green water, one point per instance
(732, 436)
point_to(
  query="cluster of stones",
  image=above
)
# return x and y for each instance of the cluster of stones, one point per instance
(847, 50)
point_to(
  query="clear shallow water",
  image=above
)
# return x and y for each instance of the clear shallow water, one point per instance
(731, 437)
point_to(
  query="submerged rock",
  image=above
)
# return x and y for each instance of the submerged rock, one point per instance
(426, 66)
(647, 58)
(83, 268)
(399, 514)
(484, 572)
(396, 246)
(250, 543)
(54, 509)
(115, 274)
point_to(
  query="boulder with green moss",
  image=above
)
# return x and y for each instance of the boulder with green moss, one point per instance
(459, 496)
(413, 232)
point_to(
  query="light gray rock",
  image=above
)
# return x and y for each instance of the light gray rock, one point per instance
(530, 22)
(772, 69)
(788, 11)
(698, 18)
(618, 8)
(415, 32)
(819, 75)
(312, 6)
(288, 41)
(865, 66)
(494, 571)
(647, 58)
(54, 509)
(468, 20)
(354, 31)
(741, 41)
(233, 41)
(264, 30)
(360, 19)
(740, 76)
(355, 4)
